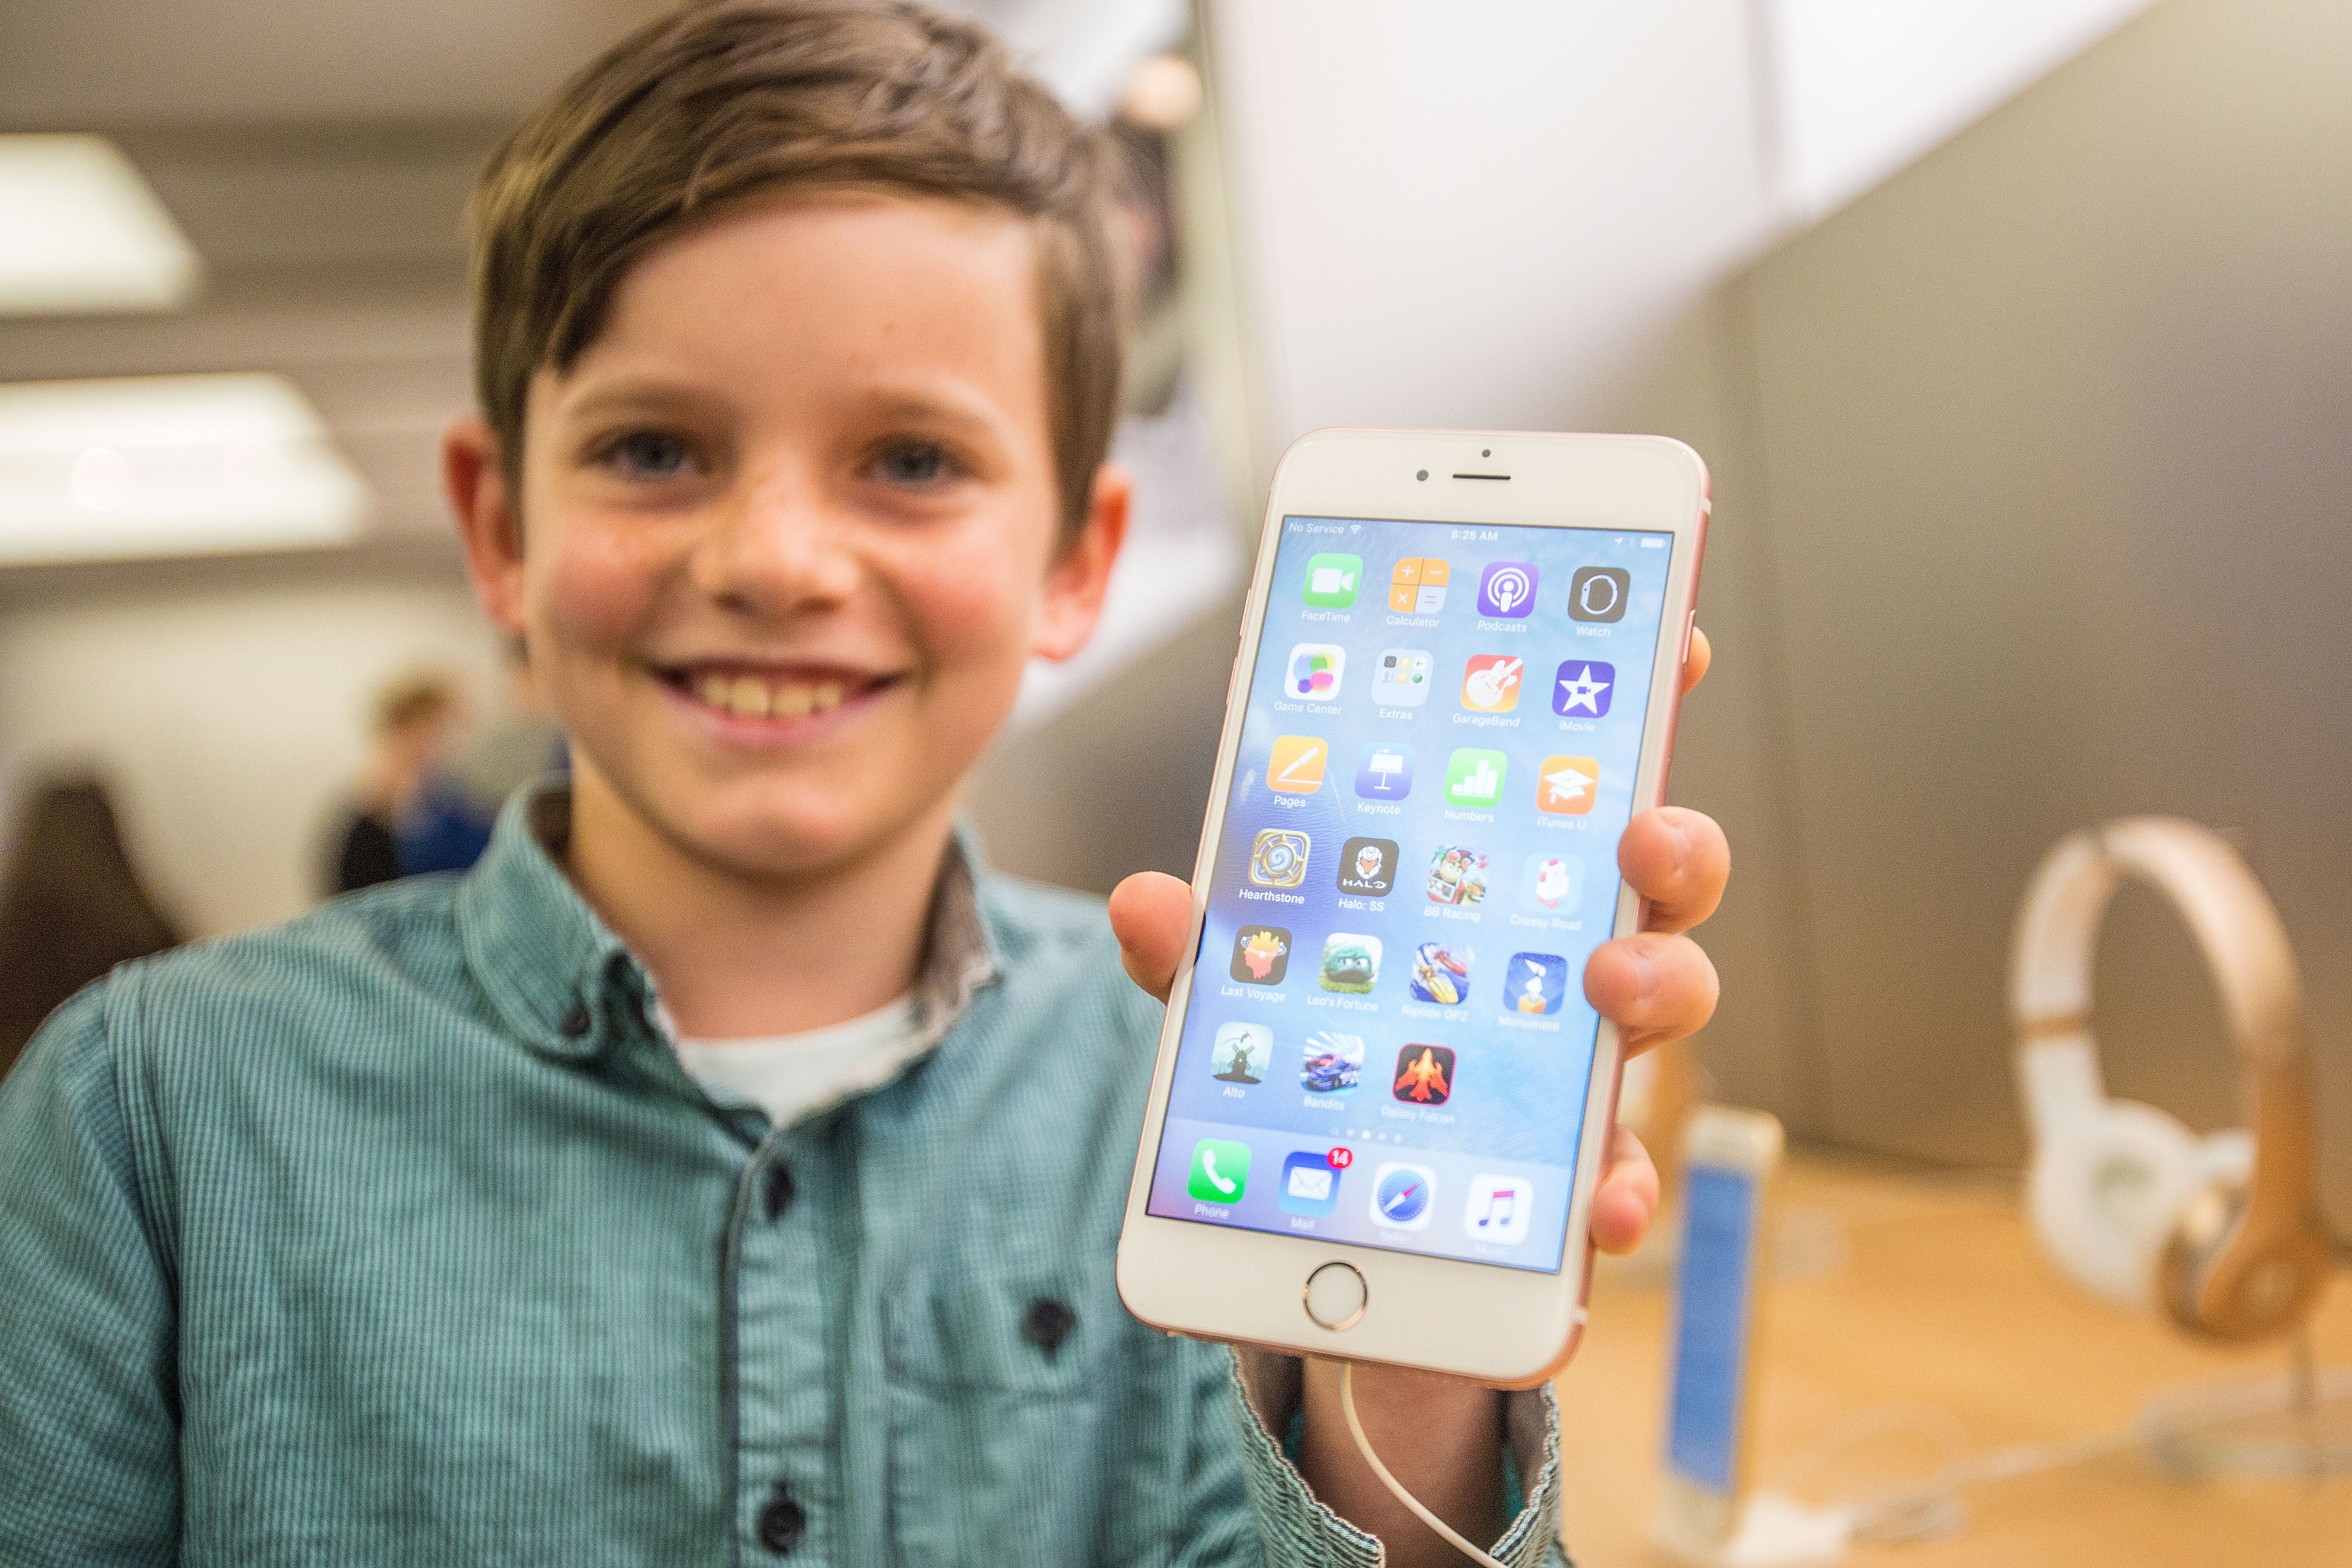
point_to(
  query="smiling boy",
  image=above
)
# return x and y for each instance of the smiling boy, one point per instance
(730, 1168)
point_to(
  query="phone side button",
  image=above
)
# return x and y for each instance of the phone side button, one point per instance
(1334, 1296)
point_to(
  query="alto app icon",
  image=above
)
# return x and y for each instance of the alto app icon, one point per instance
(1294, 767)
(1384, 771)
(1506, 590)
(1331, 580)
(1500, 1208)
(1367, 867)
(1241, 1053)
(1599, 593)
(1278, 858)
(1535, 982)
(1310, 1184)
(1401, 1195)
(1351, 962)
(1554, 881)
(1567, 786)
(1315, 671)
(1424, 1075)
(1490, 682)
(1261, 955)
(1220, 1171)
(1417, 587)
(1582, 685)
(1473, 778)
(1402, 680)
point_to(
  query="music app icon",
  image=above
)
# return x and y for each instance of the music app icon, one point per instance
(1499, 1209)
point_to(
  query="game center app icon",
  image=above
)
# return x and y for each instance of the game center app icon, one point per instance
(1417, 585)
(1506, 590)
(1278, 858)
(1401, 1193)
(1294, 767)
(1367, 867)
(1499, 1209)
(1331, 580)
(1535, 982)
(1310, 1184)
(1490, 682)
(1315, 671)
(1261, 955)
(1441, 973)
(1567, 786)
(1351, 962)
(1473, 778)
(1599, 593)
(1220, 1171)
(1424, 1075)
(1241, 1053)
(1554, 881)
(1401, 677)
(1384, 772)
(1582, 685)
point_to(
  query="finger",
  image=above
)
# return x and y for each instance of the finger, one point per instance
(1626, 1200)
(1694, 663)
(1150, 913)
(1652, 986)
(1678, 860)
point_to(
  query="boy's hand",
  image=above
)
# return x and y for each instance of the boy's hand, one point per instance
(1656, 985)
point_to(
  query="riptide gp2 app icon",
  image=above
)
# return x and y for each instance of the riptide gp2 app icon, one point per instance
(1278, 858)
(1261, 955)
(1582, 685)
(1367, 867)
(1598, 594)
(1294, 767)
(1506, 590)
(1331, 580)
(1315, 671)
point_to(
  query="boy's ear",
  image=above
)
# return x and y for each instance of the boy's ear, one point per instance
(475, 480)
(1080, 575)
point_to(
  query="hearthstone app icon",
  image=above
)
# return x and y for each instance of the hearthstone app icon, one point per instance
(1278, 858)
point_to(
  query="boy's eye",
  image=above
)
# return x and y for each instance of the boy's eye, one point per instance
(915, 463)
(649, 455)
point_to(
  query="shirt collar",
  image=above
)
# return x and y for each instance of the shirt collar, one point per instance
(562, 980)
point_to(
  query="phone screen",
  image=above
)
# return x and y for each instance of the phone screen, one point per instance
(1386, 1041)
(1711, 1311)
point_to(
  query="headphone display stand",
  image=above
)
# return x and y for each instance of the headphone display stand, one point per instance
(2295, 1427)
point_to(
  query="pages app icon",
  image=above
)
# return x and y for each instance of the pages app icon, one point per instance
(1295, 764)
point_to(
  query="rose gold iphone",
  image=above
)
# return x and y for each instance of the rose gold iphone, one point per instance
(1381, 1101)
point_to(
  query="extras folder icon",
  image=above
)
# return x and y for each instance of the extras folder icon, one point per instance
(1297, 766)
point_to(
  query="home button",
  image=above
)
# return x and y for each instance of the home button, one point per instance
(1334, 1296)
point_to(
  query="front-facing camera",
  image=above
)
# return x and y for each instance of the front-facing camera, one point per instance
(1423, 474)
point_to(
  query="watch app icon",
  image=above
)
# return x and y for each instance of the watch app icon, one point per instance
(1598, 594)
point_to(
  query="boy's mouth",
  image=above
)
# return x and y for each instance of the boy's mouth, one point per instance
(744, 691)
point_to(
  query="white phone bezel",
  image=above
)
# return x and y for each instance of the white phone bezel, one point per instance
(1511, 1327)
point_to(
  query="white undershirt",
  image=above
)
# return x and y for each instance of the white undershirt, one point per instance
(785, 1075)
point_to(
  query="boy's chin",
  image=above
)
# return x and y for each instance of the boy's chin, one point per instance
(764, 835)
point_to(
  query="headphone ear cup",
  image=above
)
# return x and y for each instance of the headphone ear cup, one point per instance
(2221, 1176)
(2104, 1194)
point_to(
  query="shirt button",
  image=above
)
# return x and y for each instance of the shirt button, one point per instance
(1047, 1323)
(779, 1188)
(781, 1522)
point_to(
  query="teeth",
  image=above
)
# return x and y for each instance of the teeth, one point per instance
(714, 691)
(747, 698)
(828, 697)
(792, 701)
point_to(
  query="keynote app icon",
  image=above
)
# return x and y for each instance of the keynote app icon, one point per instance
(1582, 685)
(1490, 682)
(1506, 590)
(1401, 680)
(1384, 772)
(1295, 764)
(1331, 580)
(1315, 671)
(1567, 786)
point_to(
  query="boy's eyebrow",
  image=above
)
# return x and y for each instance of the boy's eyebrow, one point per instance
(951, 404)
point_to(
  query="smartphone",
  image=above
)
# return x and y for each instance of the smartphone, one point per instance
(1381, 1100)
(1730, 1158)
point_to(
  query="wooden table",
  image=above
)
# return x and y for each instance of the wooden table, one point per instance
(1940, 1302)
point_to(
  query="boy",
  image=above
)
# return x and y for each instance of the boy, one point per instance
(729, 1168)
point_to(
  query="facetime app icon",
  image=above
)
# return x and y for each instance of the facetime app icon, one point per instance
(1295, 764)
(1331, 580)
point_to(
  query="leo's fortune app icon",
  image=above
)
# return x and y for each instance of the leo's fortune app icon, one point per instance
(1506, 590)
(1331, 580)
(1220, 1171)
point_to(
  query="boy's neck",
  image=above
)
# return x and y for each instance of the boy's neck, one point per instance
(738, 958)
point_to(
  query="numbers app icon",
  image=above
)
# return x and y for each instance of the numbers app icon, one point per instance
(1473, 777)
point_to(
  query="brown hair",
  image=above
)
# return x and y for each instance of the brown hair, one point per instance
(421, 694)
(727, 101)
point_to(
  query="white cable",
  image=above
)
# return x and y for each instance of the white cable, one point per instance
(1364, 1446)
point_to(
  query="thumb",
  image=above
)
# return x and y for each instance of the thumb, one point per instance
(1150, 913)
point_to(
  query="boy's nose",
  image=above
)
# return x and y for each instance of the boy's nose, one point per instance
(776, 547)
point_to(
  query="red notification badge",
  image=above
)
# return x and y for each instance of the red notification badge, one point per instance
(1341, 1159)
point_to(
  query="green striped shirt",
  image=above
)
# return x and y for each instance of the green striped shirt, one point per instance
(397, 1234)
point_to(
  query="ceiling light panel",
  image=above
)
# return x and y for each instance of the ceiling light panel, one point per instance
(81, 233)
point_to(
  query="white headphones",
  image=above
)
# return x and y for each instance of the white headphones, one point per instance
(2225, 1233)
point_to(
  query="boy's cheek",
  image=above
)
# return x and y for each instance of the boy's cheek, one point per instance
(591, 591)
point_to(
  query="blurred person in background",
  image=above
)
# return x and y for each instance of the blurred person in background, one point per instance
(408, 816)
(520, 743)
(71, 907)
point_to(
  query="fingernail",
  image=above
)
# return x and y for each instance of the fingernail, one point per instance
(1646, 975)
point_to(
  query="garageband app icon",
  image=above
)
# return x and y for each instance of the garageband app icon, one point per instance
(1315, 671)
(1367, 867)
(1535, 982)
(1441, 973)
(1506, 590)
(1567, 786)
(1331, 580)
(1294, 767)
(1424, 1075)
(1490, 682)
(1554, 881)
(1417, 587)
(1261, 955)
(1499, 1209)
(1278, 858)
(1241, 1052)
(1384, 771)
(1401, 677)
(1582, 685)
(1310, 1184)
(1599, 593)
(1457, 875)
(1401, 1193)
(1333, 1063)
(1351, 962)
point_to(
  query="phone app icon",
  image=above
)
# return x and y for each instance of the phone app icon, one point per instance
(1424, 1075)
(1555, 881)
(1417, 587)
(1582, 685)
(1241, 1052)
(1333, 1064)
(1220, 1171)
(1385, 771)
(1567, 786)
(1535, 982)
(1441, 973)
(1367, 867)
(1315, 671)
(1499, 1209)
(1295, 764)
(1278, 858)
(1506, 590)
(1401, 1195)
(1402, 679)
(1474, 778)
(1351, 962)
(1490, 682)
(1331, 580)
(1457, 875)
(1261, 955)
(1310, 1184)
(1599, 593)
